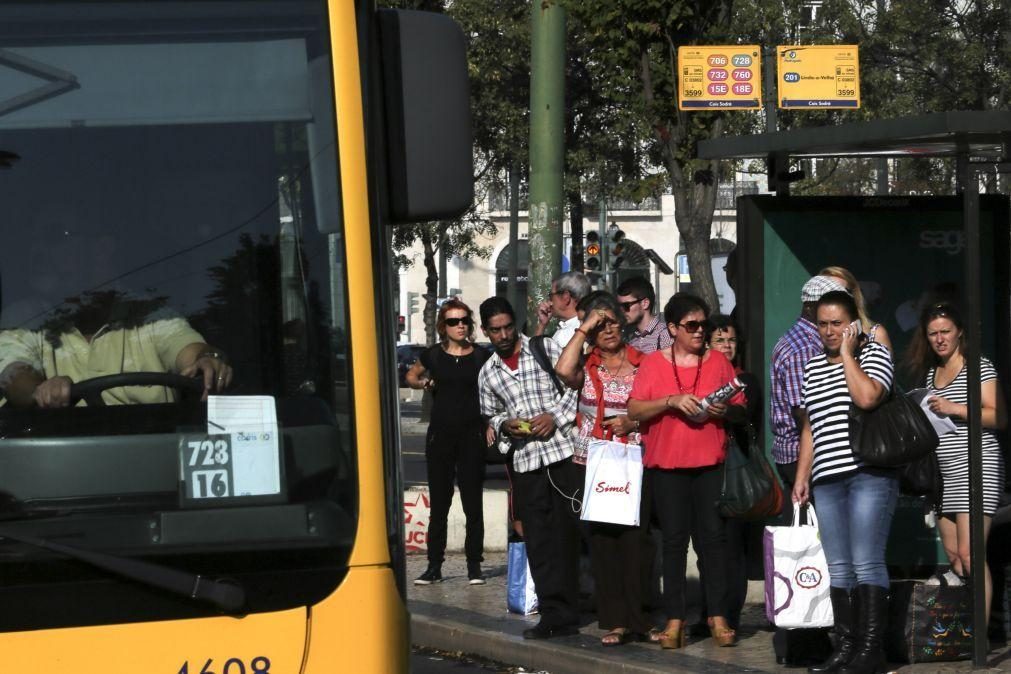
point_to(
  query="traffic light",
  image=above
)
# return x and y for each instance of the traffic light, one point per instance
(616, 247)
(592, 251)
(412, 302)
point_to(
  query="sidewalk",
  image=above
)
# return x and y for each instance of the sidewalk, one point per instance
(454, 616)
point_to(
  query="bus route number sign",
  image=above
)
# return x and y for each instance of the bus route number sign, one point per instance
(818, 77)
(719, 78)
(207, 467)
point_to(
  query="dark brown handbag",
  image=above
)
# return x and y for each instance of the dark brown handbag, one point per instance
(751, 490)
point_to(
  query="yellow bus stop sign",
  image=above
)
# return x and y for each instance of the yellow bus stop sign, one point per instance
(818, 76)
(714, 78)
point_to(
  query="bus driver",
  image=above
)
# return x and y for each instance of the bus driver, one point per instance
(37, 367)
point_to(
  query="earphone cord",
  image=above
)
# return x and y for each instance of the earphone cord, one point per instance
(574, 502)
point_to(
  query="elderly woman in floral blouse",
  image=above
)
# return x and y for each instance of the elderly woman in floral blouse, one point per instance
(604, 381)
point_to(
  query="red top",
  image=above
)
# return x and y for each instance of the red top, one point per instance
(513, 361)
(670, 440)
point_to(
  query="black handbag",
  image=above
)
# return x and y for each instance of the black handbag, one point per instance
(750, 489)
(922, 478)
(894, 433)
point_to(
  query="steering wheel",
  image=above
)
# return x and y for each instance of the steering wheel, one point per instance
(91, 389)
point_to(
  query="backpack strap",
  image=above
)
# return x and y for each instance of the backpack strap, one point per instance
(541, 356)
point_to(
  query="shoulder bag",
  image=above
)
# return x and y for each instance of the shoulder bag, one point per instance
(894, 433)
(750, 489)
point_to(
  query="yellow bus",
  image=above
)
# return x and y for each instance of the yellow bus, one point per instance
(202, 475)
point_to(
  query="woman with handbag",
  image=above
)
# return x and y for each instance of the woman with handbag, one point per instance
(855, 502)
(937, 356)
(604, 382)
(685, 444)
(874, 331)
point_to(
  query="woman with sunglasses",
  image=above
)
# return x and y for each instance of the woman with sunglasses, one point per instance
(683, 459)
(604, 382)
(457, 436)
(937, 356)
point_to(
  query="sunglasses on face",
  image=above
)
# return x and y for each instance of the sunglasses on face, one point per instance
(627, 306)
(453, 322)
(695, 326)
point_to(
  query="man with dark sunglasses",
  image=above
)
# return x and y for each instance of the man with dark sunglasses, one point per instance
(566, 292)
(646, 332)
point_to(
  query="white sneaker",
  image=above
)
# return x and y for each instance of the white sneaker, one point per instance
(952, 579)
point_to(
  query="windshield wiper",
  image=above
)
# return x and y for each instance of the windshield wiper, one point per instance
(227, 596)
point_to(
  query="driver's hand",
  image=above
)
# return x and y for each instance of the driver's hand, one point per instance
(53, 392)
(216, 373)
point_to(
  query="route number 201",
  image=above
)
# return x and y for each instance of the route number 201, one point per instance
(258, 665)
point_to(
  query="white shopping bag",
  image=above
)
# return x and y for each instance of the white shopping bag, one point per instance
(796, 575)
(613, 483)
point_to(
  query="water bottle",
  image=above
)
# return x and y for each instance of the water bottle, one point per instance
(720, 395)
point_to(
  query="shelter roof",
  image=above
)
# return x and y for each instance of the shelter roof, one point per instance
(942, 134)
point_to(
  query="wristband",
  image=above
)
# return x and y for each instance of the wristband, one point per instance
(666, 403)
(212, 354)
(582, 332)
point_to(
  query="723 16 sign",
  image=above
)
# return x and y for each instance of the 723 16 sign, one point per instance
(206, 462)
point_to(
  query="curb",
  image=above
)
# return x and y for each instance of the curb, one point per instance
(581, 654)
(446, 635)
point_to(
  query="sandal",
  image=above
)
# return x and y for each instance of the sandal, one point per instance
(723, 635)
(673, 638)
(653, 635)
(616, 637)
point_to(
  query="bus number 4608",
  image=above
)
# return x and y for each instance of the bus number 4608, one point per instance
(258, 665)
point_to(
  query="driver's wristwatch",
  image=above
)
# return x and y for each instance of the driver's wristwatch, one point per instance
(213, 354)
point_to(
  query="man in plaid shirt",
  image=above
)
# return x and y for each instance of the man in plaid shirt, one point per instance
(536, 421)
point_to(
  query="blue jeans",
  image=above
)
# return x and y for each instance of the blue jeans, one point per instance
(854, 516)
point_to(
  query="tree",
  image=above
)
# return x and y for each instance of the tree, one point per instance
(634, 55)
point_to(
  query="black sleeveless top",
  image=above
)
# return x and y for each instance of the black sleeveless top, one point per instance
(455, 404)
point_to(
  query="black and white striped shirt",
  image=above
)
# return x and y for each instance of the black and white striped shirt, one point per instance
(827, 401)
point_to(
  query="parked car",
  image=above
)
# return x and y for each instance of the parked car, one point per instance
(407, 354)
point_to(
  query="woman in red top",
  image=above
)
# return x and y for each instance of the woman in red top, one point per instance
(682, 460)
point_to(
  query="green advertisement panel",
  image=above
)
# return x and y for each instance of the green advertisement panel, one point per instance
(906, 252)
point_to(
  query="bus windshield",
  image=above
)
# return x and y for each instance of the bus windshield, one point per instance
(171, 213)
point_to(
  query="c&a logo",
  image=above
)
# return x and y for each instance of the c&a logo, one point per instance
(808, 577)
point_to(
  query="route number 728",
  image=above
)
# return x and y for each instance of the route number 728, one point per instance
(258, 665)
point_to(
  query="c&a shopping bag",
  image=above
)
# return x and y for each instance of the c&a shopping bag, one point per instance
(520, 594)
(613, 484)
(796, 575)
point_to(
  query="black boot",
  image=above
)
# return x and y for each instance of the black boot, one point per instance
(872, 610)
(843, 612)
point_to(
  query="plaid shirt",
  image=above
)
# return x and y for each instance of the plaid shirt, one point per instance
(525, 393)
(800, 344)
(653, 338)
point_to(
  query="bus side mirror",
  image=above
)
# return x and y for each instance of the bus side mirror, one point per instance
(426, 96)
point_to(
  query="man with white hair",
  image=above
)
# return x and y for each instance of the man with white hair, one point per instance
(566, 291)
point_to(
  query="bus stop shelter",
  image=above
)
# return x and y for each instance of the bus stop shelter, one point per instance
(980, 142)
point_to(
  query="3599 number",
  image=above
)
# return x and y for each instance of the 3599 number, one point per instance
(258, 665)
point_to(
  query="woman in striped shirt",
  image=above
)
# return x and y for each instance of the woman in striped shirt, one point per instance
(855, 502)
(937, 355)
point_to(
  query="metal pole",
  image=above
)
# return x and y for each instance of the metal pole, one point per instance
(547, 148)
(974, 327)
(512, 285)
(602, 233)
